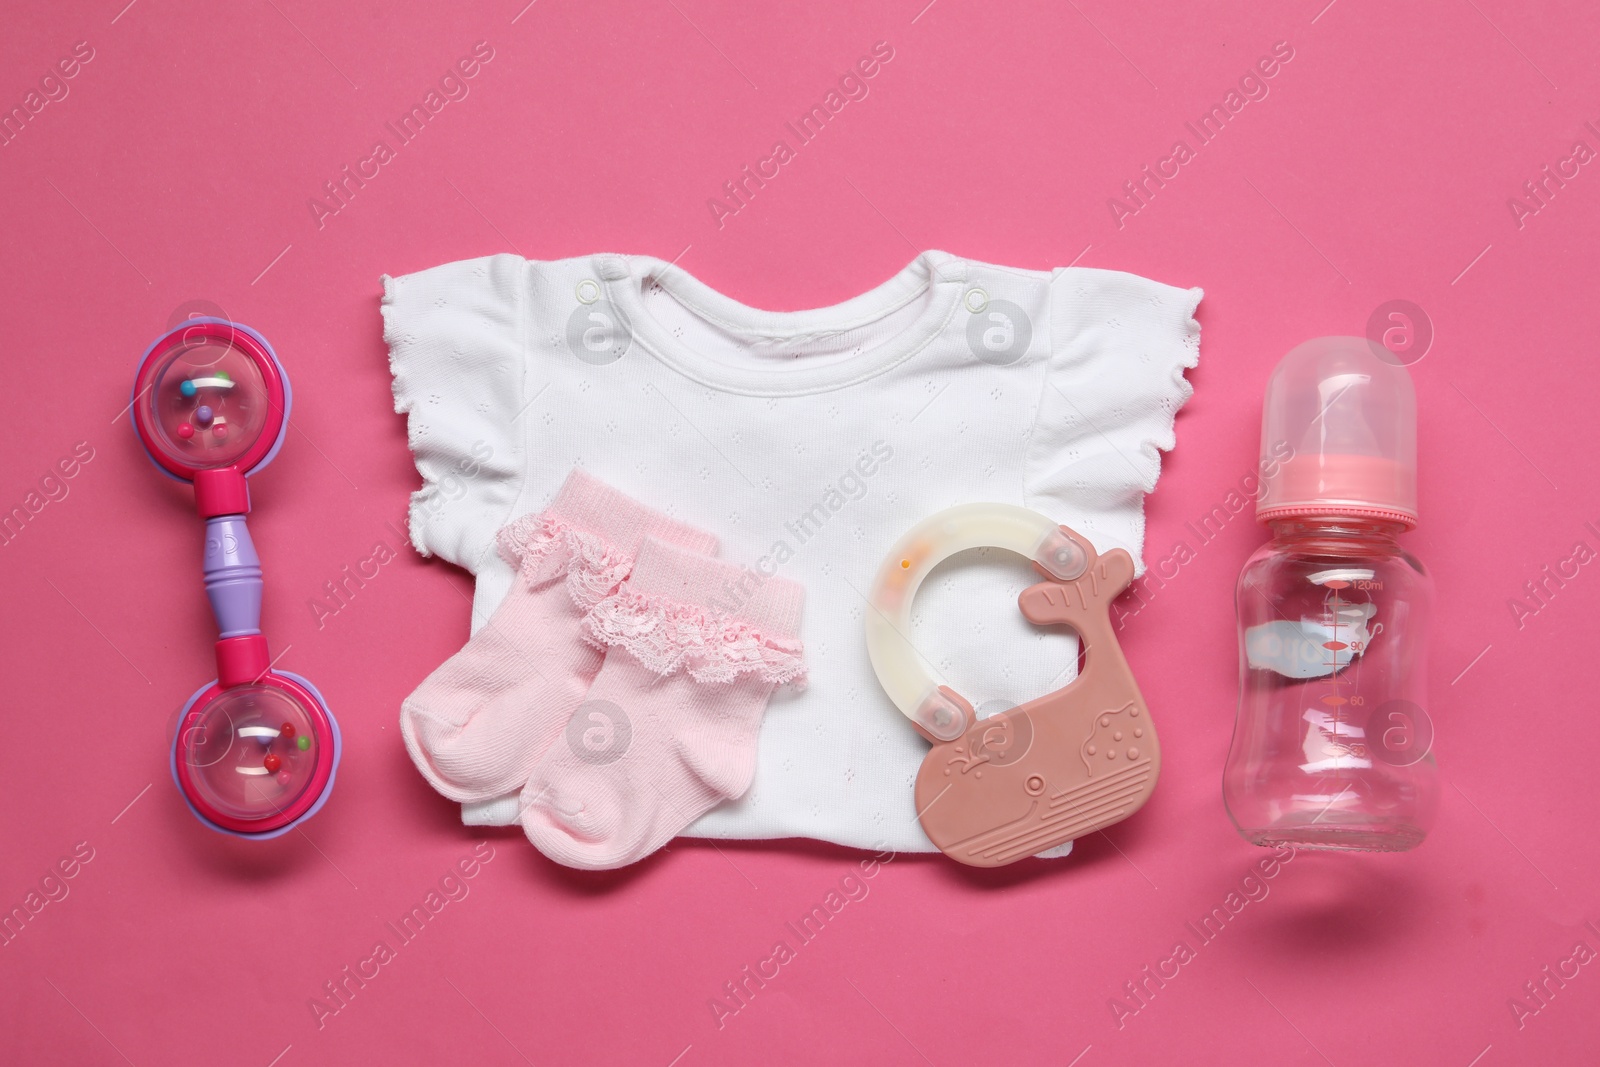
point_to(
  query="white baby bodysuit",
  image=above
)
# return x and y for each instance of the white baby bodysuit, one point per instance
(808, 442)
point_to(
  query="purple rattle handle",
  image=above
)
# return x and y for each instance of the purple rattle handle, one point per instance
(233, 576)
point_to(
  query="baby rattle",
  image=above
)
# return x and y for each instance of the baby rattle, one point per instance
(256, 750)
(995, 790)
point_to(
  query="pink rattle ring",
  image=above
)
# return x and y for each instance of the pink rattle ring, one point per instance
(255, 751)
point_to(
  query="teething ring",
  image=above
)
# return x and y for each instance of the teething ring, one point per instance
(938, 712)
(1065, 764)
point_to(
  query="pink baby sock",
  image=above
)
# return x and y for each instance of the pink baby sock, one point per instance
(668, 730)
(476, 726)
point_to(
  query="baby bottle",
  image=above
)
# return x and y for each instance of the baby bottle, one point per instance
(1333, 745)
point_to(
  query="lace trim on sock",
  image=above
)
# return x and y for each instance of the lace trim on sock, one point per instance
(544, 548)
(666, 635)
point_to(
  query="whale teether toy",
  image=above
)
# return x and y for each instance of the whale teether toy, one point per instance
(1076, 760)
(256, 750)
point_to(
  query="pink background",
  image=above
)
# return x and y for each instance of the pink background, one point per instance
(179, 168)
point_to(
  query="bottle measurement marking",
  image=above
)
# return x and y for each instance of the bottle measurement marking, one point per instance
(1335, 699)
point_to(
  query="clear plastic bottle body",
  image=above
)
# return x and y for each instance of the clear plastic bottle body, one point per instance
(1333, 744)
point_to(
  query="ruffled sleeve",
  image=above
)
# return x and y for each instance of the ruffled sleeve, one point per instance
(455, 337)
(1119, 346)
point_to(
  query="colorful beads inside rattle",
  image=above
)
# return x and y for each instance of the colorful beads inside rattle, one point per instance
(205, 416)
(274, 762)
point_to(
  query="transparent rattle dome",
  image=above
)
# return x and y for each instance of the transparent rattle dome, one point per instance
(1339, 434)
(252, 754)
(205, 402)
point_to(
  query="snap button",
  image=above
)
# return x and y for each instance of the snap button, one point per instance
(588, 291)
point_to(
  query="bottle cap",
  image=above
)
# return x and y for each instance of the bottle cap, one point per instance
(1339, 435)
